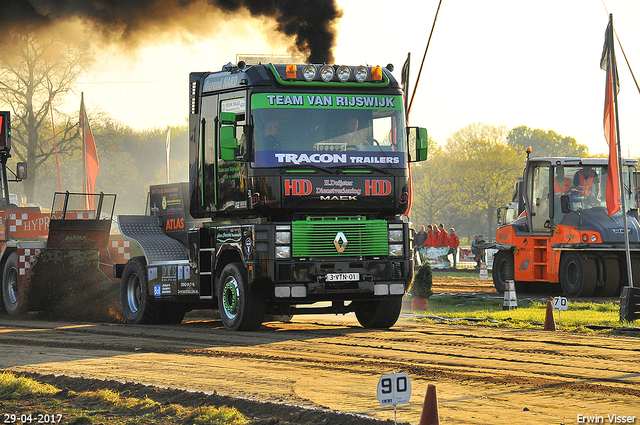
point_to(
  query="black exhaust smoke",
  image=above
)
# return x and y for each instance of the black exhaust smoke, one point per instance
(311, 23)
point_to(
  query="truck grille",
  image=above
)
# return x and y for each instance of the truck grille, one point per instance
(315, 236)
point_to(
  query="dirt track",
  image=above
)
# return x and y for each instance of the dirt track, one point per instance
(483, 375)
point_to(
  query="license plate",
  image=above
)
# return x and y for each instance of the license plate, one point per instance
(342, 277)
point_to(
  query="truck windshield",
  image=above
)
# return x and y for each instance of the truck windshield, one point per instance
(586, 186)
(328, 130)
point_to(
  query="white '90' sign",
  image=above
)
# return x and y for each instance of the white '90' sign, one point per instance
(394, 389)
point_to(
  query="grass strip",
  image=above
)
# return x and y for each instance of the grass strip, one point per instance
(580, 317)
(105, 406)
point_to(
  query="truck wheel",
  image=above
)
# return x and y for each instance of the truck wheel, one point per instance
(380, 314)
(502, 270)
(611, 286)
(240, 309)
(137, 305)
(577, 275)
(14, 301)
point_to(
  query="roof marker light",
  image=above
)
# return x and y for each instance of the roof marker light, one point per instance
(344, 73)
(292, 72)
(376, 73)
(361, 74)
(326, 73)
(309, 72)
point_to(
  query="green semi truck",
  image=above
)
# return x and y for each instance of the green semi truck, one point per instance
(297, 201)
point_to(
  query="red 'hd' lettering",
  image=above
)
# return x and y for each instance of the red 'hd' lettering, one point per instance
(297, 187)
(377, 187)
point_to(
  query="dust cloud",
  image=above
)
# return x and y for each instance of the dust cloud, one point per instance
(309, 24)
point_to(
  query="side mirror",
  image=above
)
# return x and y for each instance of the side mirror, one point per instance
(565, 204)
(228, 139)
(499, 216)
(228, 143)
(418, 143)
(21, 170)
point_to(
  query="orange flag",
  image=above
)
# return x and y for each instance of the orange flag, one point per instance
(91, 164)
(608, 63)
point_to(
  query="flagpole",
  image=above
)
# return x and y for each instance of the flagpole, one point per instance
(168, 150)
(623, 201)
(423, 58)
(84, 146)
(53, 130)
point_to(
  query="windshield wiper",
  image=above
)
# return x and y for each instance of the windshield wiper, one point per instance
(370, 167)
(316, 167)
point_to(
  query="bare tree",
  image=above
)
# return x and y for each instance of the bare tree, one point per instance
(35, 75)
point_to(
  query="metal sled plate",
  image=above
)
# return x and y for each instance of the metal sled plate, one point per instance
(145, 230)
(78, 234)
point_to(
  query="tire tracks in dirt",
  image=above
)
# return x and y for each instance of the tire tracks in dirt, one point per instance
(503, 368)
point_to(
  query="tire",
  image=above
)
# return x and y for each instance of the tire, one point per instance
(502, 270)
(578, 275)
(380, 314)
(138, 306)
(240, 308)
(611, 279)
(13, 300)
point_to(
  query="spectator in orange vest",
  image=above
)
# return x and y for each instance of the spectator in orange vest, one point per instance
(454, 243)
(443, 236)
(436, 236)
(428, 242)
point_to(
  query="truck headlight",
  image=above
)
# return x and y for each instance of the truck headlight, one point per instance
(283, 238)
(326, 73)
(283, 252)
(361, 74)
(344, 72)
(396, 250)
(395, 236)
(309, 72)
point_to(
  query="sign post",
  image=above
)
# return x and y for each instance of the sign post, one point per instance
(394, 389)
(560, 304)
(484, 273)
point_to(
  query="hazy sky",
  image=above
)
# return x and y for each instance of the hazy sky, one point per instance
(502, 62)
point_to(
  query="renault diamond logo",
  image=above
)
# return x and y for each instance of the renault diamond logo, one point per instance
(340, 242)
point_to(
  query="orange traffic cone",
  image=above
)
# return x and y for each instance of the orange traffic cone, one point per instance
(430, 409)
(549, 321)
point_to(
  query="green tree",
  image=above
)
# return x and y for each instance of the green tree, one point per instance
(463, 182)
(35, 75)
(431, 183)
(486, 167)
(545, 143)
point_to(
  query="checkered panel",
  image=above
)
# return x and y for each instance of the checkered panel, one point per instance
(26, 259)
(120, 249)
(15, 221)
